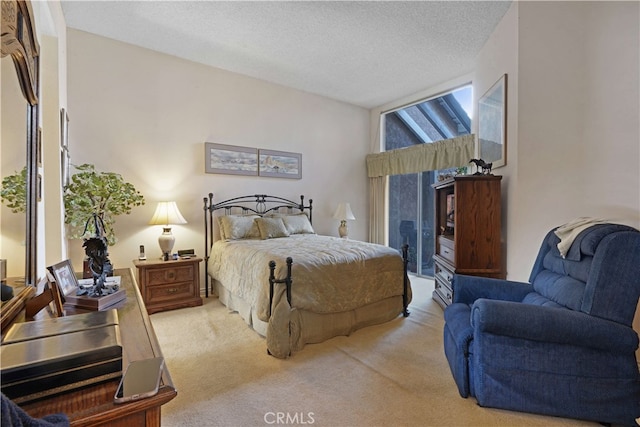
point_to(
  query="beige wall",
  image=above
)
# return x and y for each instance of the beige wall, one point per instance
(499, 56)
(573, 119)
(573, 133)
(573, 130)
(53, 77)
(574, 143)
(573, 139)
(578, 119)
(147, 115)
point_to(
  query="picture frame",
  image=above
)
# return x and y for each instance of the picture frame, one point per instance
(230, 159)
(48, 296)
(280, 164)
(44, 285)
(55, 305)
(492, 124)
(451, 200)
(65, 277)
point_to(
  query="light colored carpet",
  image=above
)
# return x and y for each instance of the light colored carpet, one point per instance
(393, 374)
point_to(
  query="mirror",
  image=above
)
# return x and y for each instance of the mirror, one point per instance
(19, 42)
(12, 160)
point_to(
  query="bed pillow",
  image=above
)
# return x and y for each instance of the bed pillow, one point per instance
(298, 224)
(238, 227)
(271, 228)
(221, 228)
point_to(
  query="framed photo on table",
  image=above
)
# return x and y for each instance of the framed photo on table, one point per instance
(48, 295)
(492, 124)
(64, 276)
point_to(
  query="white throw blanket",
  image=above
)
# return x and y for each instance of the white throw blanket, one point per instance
(569, 231)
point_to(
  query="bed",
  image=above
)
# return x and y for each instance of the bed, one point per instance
(291, 285)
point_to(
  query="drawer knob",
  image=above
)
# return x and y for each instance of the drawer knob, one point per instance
(171, 274)
(172, 290)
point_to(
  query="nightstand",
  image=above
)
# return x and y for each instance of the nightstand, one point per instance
(166, 285)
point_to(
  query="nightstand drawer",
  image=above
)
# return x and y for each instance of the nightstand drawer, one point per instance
(172, 292)
(175, 274)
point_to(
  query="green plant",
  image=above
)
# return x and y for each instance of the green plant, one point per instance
(14, 191)
(105, 194)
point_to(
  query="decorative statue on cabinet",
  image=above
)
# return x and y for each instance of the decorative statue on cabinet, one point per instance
(99, 263)
(482, 167)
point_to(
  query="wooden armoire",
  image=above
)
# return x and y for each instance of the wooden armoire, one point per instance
(468, 231)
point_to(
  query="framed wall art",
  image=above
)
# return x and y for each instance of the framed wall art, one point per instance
(492, 124)
(280, 164)
(230, 159)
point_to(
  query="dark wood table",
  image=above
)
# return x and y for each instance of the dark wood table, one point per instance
(93, 405)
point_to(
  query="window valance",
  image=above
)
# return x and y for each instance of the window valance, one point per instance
(447, 153)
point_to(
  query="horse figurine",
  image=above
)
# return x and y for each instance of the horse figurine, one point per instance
(481, 165)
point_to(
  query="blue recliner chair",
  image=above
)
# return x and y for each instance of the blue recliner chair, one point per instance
(560, 345)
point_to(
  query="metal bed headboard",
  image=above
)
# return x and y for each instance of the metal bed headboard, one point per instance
(258, 204)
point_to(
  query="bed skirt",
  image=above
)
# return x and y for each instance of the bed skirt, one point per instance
(289, 330)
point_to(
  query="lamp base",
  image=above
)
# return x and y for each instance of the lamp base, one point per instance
(343, 231)
(166, 241)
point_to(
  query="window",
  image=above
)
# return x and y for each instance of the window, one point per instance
(411, 207)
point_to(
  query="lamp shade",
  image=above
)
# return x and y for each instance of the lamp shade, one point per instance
(343, 212)
(167, 213)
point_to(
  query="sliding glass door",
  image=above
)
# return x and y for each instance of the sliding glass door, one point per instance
(410, 197)
(411, 218)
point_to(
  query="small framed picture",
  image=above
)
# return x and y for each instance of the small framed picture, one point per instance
(56, 300)
(63, 274)
(451, 212)
(43, 286)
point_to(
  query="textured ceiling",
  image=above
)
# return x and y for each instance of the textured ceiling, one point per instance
(366, 53)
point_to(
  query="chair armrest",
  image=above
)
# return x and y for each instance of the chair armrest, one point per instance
(551, 324)
(467, 289)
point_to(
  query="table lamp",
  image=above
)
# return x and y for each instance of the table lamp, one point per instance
(167, 213)
(343, 213)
